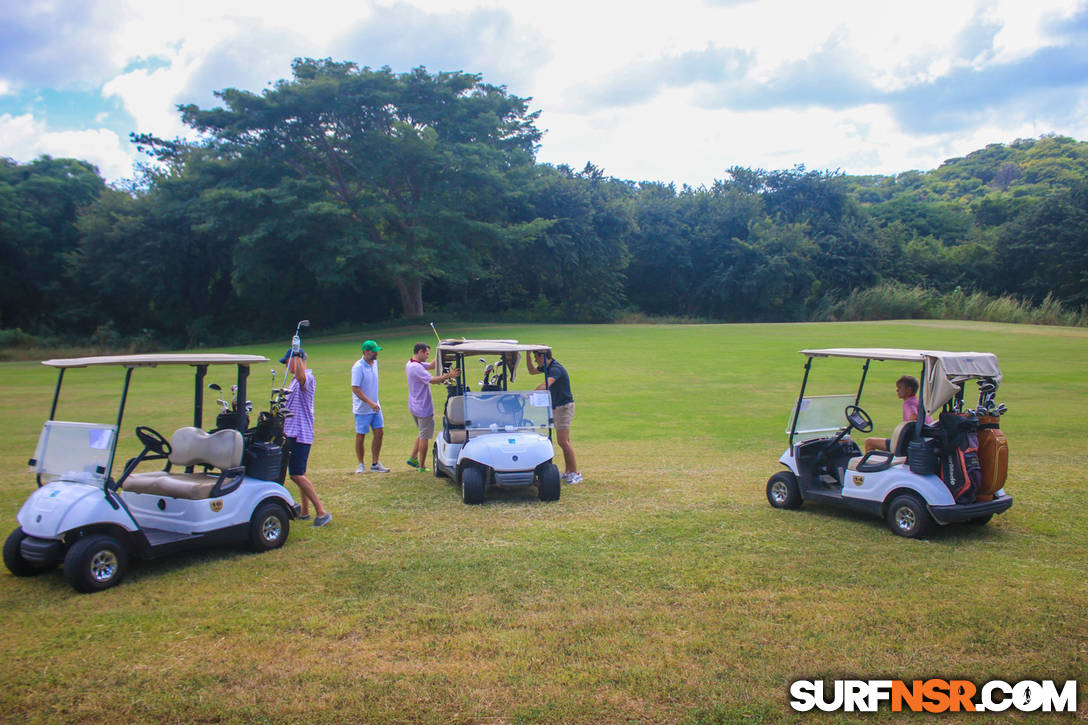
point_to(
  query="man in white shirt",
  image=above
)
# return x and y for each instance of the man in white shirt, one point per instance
(367, 409)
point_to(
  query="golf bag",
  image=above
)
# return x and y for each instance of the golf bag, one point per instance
(993, 456)
(269, 428)
(960, 469)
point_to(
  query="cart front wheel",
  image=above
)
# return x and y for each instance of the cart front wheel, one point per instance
(547, 482)
(95, 563)
(783, 491)
(472, 485)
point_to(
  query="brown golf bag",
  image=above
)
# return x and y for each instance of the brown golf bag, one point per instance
(993, 456)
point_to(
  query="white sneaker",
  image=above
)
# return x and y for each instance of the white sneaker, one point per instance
(361, 468)
(377, 467)
(573, 478)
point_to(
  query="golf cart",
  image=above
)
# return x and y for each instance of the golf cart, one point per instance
(83, 517)
(929, 474)
(494, 437)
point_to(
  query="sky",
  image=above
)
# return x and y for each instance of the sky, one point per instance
(676, 91)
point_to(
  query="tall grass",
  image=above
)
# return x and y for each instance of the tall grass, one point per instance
(896, 301)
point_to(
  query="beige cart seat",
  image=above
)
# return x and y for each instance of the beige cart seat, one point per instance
(191, 447)
(455, 420)
(898, 447)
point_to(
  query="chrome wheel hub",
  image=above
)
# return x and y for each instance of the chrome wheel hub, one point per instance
(904, 518)
(103, 566)
(271, 529)
(779, 492)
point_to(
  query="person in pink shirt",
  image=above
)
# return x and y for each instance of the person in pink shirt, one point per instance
(906, 388)
(420, 404)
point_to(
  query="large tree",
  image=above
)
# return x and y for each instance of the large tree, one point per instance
(39, 205)
(417, 162)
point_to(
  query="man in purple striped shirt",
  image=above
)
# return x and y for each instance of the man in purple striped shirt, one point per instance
(299, 431)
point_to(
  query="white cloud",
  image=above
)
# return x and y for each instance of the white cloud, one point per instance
(102, 147)
(647, 91)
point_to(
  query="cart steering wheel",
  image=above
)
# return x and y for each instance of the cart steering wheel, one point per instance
(511, 404)
(153, 440)
(858, 419)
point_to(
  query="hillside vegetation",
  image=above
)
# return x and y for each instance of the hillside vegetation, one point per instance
(365, 196)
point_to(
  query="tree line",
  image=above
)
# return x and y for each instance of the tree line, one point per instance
(350, 195)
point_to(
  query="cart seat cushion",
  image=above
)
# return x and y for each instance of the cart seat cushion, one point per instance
(455, 410)
(900, 437)
(193, 486)
(454, 422)
(194, 447)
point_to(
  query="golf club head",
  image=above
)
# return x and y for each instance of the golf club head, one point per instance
(303, 323)
(1002, 409)
(215, 387)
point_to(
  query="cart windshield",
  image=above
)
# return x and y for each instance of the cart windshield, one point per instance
(820, 414)
(508, 411)
(74, 451)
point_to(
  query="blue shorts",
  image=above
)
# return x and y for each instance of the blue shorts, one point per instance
(299, 457)
(366, 421)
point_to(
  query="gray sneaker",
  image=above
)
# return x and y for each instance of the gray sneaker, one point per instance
(361, 468)
(323, 520)
(304, 517)
(377, 467)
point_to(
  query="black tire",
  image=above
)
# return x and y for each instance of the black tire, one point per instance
(547, 482)
(909, 517)
(980, 520)
(13, 558)
(434, 462)
(472, 485)
(783, 491)
(95, 563)
(268, 527)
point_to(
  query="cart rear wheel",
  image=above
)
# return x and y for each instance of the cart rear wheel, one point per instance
(434, 462)
(472, 485)
(908, 516)
(269, 527)
(95, 563)
(783, 491)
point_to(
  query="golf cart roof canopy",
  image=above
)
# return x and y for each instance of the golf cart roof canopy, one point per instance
(488, 347)
(942, 370)
(136, 361)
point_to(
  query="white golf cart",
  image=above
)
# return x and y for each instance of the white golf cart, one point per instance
(495, 437)
(905, 485)
(92, 523)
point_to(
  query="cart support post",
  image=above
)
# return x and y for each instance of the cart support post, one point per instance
(797, 407)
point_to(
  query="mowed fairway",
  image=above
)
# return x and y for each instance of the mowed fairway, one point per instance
(664, 588)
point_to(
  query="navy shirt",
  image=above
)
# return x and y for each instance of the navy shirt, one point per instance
(560, 389)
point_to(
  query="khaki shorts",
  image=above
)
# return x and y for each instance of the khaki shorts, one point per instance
(425, 426)
(563, 416)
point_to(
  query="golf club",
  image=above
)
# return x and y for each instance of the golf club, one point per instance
(224, 406)
(296, 345)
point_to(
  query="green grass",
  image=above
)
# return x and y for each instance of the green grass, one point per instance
(663, 588)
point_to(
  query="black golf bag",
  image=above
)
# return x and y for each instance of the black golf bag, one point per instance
(957, 436)
(266, 451)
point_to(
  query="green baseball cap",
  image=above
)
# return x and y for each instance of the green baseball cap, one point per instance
(371, 345)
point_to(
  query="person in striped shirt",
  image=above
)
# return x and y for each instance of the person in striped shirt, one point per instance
(299, 431)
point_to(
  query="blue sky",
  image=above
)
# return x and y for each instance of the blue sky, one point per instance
(676, 91)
